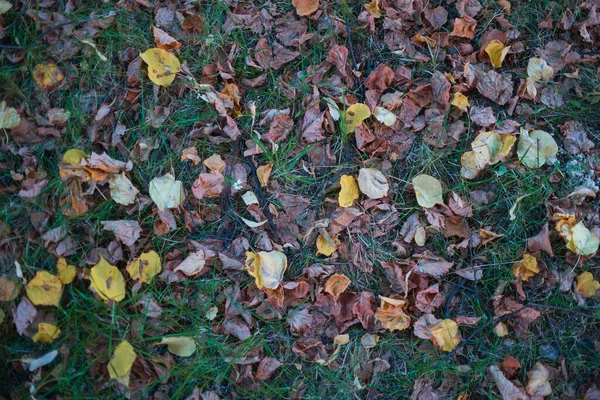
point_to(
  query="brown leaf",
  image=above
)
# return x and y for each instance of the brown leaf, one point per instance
(464, 27)
(126, 232)
(496, 87)
(208, 185)
(305, 7)
(506, 388)
(336, 285)
(482, 116)
(9, 289)
(429, 299)
(280, 127)
(267, 368)
(509, 366)
(437, 17)
(431, 265)
(541, 242)
(576, 139)
(163, 40)
(23, 315)
(468, 7)
(380, 79)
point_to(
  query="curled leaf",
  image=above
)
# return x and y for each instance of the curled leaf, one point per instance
(337, 284)
(526, 268)
(349, 191)
(428, 190)
(162, 66)
(355, 115)
(578, 237)
(267, 268)
(538, 69)
(537, 384)
(385, 116)
(391, 313)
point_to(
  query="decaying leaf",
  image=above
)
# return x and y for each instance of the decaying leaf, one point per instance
(336, 285)
(305, 7)
(47, 333)
(121, 362)
(193, 264)
(5, 6)
(44, 289)
(166, 192)
(497, 51)
(526, 268)
(385, 116)
(145, 267)
(428, 190)
(587, 286)
(539, 70)
(537, 383)
(349, 191)
(9, 288)
(162, 66)
(489, 148)
(507, 389)
(122, 190)
(460, 101)
(355, 115)
(325, 247)
(391, 313)
(107, 281)
(66, 272)
(373, 183)
(445, 335)
(47, 75)
(578, 237)
(373, 8)
(535, 147)
(264, 173)
(182, 346)
(267, 268)
(9, 117)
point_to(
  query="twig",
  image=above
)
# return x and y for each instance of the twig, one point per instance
(582, 314)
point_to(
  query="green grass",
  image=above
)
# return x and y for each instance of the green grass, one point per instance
(91, 329)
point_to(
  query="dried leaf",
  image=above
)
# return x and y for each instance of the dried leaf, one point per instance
(464, 27)
(126, 232)
(9, 117)
(325, 247)
(66, 273)
(47, 75)
(166, 192)
(391, 313)
(9, 289)
(162, 66)
(539, 70)
(526, 268)
(121, 362)
(578, 237)
(373, 8)
(305, 7)
(535, 147)
(497, 51)
(145, 267)
(264, 172)
(193, 264)
(372, 183)
(208, 185)
(349, 191)
(336, 285)
(537, 384)
(122, 190)
(460, 101)
(107, 281)
(385, 116)
(507, 389)
(266, 368)
(586, 285)
(163, 40)
(267, 268)
(44, 289)
(355, 115)
(5, 6)
(47, 333)
(444, 335)
(182, 346)
(428, 190)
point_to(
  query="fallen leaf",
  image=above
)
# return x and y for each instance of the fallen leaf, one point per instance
(460, 101)
(266, 368)
(215, 163)
(9, 289)
(47, 333)
(373, 8)
(47, 75)
(208, 185)
(24, 315)
(121, 362)
(541, 242)
(372, 183)
(267, 268)
(341, 340)
(37, 363)
(122, 190)
(44, 289)
(578, 237)
(391, 313)
(163, 40)
(324, 247)
(428, 190)
(501, 329)
(509, 366)
(482, 116)
(538, 69)
(162, 66)
(145, 267)
(193, 263)
(336, 285)
(429, 299)
(305, 7)
(4, 6)
(464, 27)
(66, 272)
(349, 191)
(73, 157)
(369, 340)
(535, 147)
(355, 115)
(586, 285)
(166, 192)
(497, 51)
(507, 389)
(444, 335)
(576, 138)
(182, 346)
(191, 154)
(9, 117)
(263, 173)
(526, 268)
(537, 384)
(385, 116)
(107, 281)
(126, 232)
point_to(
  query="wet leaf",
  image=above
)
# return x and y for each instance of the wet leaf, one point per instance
(349, 191)
(355, 115)
(372, 183)
(526, 268)
(107, 281)
(586, 285)
(162, 66)
(535, 147)
(428, 190)
(267, 268)
(336, 285)
(44, 289)
(182, 346)
(166, 192)
(47, 333)
(145, 267)
(121, 362)
(497, 51)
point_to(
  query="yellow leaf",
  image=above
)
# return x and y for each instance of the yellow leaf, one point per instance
(121, 362)
(148, 264)
(497, 51)
(341, 340)
(349, 191)
(444, 335)
(263, 173)
(9, 117)
(122, 190)
(107, 281)
(537, 384)
(391, 313)
(162, 66)
(373, 8)
(586, 285)
(73, 157)
(4, 6)
(538, 69)
(182, 346)
(355, 115)
(526, 268)
(166, 192)
(66, 273)
(501, 329)
(460, 101)
(471, 165)
(44, 289)
(267, 268)
(336, 285)
(428, 190)
(535, 147)
(46, 333)
(579, 239)
(47, 75)
(305, 7)
(324, 247)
